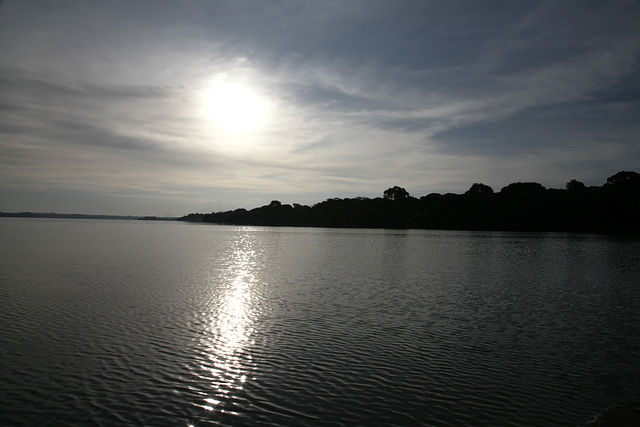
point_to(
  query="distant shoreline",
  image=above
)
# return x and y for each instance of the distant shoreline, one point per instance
(81, 216)
(613, 208)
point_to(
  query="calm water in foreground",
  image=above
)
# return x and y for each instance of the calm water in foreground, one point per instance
(162, 324)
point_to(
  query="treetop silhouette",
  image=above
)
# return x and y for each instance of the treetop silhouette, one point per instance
(520, 206)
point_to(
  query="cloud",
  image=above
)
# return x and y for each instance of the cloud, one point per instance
(432, 96)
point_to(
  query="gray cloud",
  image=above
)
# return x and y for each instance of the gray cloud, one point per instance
(106, 98)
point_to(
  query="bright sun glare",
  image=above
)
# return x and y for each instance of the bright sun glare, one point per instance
(234, 108)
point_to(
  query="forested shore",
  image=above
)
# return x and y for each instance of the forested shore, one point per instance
(520, 206)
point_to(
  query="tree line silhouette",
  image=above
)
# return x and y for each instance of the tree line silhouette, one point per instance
(521, 206)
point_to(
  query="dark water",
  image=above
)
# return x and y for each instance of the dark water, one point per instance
(162, 324)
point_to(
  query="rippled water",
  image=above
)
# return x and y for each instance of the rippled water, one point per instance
(157, 324)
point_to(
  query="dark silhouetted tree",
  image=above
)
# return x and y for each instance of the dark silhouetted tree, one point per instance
(624, 178)
(575, 185)
(479, 190)
(396, 194)
(621, 196)
(522, 207)
(523, 189)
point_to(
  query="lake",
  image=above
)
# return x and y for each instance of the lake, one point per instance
(106, 322)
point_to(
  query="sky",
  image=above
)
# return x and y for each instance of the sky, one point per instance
(172, 107)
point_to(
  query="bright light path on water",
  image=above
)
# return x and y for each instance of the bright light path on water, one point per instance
(231, 325)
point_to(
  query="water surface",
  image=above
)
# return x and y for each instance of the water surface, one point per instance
(153, 323)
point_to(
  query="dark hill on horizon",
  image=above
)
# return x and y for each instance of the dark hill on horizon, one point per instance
(520, 206)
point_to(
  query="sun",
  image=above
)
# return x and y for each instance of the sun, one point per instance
(234, 108)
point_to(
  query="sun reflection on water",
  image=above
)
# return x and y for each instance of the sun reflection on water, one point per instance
(228, 335)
